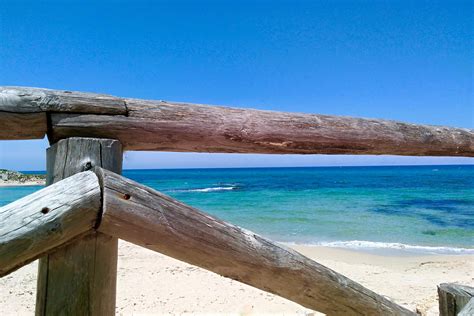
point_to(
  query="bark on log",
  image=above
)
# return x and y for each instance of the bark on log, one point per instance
(453, 298)
(80, 278)
(34, 225)
(138, 214)
(170, 126)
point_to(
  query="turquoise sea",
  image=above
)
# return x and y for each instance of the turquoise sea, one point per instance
(422, 209)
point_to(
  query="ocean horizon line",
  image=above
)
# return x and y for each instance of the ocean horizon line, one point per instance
(280, 167)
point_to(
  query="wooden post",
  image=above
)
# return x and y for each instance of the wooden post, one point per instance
(80, 278)
(453, 298)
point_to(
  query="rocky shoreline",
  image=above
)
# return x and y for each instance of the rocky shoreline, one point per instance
(15, 178)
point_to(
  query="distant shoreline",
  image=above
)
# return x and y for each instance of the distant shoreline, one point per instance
(21, 184)
(9, 178)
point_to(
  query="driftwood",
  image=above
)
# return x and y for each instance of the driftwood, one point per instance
(80, 278)
(47, 219)
(170, 126)
(453, 298)
(138, 214)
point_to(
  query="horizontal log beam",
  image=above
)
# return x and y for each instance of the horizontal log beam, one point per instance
(184, 127)
(24, 110)
(38, 100)
(16, 126)
(138, 214)
(164, 126)
(36, 224)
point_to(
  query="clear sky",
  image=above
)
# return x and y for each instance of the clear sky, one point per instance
(401, 60)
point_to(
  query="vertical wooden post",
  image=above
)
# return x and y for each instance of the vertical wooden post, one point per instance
(80, 278)
(453, 298)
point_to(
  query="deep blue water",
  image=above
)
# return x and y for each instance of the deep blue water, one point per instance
(374, 207)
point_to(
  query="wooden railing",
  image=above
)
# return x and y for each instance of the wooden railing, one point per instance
(68, 209)
(29, 113)
(74, 223)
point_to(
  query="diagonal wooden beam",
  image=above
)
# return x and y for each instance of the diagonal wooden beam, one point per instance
(49, 218)
(143, 216)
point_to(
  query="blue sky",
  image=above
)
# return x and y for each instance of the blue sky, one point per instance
(401, 60)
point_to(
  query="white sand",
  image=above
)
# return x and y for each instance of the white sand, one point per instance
(151, 283)
(9, 183)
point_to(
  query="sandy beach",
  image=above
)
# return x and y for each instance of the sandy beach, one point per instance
(150, 283)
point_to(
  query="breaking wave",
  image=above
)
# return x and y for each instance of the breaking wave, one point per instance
(372, 245)
(211, 189)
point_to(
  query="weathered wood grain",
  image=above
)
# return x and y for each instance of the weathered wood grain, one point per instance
(24, 110)
(14, 126)
(172, 126)
(453, 297)
(34, 225)
(80, 278)
(468, 309)
(37, 100)
(182, 127)
(138, 214)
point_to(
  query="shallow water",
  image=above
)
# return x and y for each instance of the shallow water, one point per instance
(426, 209)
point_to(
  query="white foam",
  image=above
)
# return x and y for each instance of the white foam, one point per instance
(214, 189)
(372, 245)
